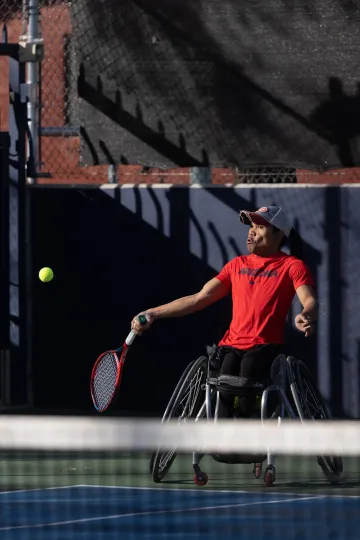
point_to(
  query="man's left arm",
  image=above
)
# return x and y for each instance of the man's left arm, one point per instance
(306, 320)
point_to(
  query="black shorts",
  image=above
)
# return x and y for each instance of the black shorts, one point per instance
(254, 363)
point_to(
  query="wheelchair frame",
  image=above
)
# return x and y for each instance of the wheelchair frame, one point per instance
(285, 374)
(276, 384)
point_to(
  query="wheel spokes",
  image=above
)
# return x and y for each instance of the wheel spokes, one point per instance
(186, 408)
(190, 399)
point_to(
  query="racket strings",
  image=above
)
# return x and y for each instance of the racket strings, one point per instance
(104, 381)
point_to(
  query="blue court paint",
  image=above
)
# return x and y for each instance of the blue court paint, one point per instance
(103, 513)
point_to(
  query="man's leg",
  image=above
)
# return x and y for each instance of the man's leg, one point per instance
(230, 366)
(255, 365)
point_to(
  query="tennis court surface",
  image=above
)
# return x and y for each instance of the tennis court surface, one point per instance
(91, 480)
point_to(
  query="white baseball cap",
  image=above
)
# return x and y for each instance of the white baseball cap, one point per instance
(266, 215)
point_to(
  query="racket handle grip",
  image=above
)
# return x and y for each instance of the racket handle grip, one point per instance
(142, 320)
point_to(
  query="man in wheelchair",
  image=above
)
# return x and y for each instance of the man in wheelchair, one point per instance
(262, 285)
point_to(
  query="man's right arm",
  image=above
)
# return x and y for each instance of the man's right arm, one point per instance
(212, 291)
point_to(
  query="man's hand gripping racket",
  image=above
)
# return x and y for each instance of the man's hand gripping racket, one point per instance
(107, 372)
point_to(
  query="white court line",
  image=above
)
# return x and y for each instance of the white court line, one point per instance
(155, 513)
(193, 490)
(38, 489)
(247, 492)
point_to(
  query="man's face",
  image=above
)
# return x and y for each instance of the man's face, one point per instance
(262, 240)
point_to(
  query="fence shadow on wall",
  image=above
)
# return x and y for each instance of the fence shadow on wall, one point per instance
(109, 264)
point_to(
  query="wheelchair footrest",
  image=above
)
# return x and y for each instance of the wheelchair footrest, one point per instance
(233, 383)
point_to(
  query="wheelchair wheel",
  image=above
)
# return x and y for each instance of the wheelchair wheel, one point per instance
(185, 402)
(170, 405)
(311, 405)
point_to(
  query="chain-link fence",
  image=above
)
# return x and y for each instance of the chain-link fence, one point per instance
(59, 122)
(60, 127)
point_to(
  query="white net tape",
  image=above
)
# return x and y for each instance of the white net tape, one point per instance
(114, 434)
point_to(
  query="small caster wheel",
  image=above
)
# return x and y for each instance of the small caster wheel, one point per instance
(201, 479)
(257, 470)
(269, 476)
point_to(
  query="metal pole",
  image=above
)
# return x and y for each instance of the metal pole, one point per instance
(17, 229)
(33, 37)
(24, 11)
(32, 82)
(200, 175)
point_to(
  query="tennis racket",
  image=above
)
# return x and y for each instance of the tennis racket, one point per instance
(107, 372)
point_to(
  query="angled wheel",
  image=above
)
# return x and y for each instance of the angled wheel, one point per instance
(311, 405)
(186, 401)
(170, 406)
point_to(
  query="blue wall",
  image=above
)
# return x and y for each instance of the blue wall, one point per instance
(116, 251)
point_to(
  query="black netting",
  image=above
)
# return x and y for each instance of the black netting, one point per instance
(266, 83)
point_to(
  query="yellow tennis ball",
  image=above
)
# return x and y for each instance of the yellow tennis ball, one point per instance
(46, 274)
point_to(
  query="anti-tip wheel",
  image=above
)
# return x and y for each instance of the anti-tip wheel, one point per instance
(201, 479)
(257, 470)
(269, 476)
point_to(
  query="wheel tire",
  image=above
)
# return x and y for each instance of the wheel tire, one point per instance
(169, 407)
(158, 472)
(332, 466)
(201, 480)
(269, 476)
(257, 470)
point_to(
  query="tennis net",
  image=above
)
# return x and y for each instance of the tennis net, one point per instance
(105, 478)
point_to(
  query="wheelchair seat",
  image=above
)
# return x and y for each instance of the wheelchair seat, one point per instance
(233, 383)
(239, 459)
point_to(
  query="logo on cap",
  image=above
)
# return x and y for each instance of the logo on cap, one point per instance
(263, 209)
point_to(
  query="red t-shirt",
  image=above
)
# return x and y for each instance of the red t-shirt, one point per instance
(263, 289)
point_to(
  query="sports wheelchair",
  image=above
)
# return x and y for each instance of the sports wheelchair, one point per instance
(196, 396)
